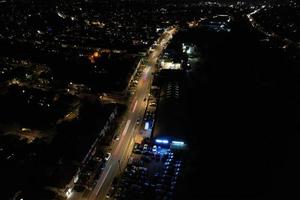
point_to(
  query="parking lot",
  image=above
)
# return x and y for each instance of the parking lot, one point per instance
(152, 173)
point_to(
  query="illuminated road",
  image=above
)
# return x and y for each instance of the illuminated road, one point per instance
(286, 41)
(253, 22)
(123, 148)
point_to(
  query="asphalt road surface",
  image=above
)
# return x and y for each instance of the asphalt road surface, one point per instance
(123, 148)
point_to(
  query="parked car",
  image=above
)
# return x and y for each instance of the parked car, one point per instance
(117, 137)
(145, 147)
(107, 156)
(154, 148)
(152, 104)
(138, 121)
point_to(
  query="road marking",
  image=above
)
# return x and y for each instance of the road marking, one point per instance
(126, 127)
(123, 134)
(129, 143)
(135, 104)
(103, 180)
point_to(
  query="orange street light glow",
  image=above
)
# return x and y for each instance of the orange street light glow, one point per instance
(96, 54)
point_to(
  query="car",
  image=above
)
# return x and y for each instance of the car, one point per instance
(138, 120)
(107, 156)
(173, 183)
(107, 196)
(117, 137)
(176, 173)
(152, 104)
(137, 146)
(178, 162)
(97, 158)
(143, 169)
(170, 154)
(177, 169)
(137, 151)
(177, 165)
(154, 148)
(167, 176)
(110, 192)
(172, 187)
(145, 148)
(169, 168)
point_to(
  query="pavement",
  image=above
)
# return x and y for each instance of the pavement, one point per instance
(121, 150)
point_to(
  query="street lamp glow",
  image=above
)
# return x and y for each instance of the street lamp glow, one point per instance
(96, 54)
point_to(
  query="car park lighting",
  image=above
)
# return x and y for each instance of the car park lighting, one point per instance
(178, 143)
(162, 141)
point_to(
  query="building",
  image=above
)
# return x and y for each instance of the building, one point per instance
(170, 125)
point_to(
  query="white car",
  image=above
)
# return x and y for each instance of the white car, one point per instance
(152, 104)
(107, 156)
(154, 148)
(145, 148)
